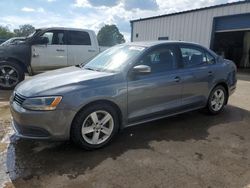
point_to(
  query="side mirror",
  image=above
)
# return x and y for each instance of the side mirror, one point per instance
(142, 69)
(41, 40)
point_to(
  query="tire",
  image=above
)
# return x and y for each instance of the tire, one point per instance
(217, 100)
(86, 127)
(10, 75)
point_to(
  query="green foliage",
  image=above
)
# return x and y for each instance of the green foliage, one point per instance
(109, 35)
(5, 33)
(24, 30)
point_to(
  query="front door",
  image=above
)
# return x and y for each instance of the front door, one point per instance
(52, 55)
(159, 92)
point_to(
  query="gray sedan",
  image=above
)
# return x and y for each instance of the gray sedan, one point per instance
(126, 85)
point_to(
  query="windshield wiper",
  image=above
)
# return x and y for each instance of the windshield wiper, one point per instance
(89, 68)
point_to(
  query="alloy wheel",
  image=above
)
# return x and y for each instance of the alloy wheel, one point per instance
(8, 76)
(97, 127)
(218, 100)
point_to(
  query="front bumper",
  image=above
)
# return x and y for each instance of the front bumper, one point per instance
(52, 125)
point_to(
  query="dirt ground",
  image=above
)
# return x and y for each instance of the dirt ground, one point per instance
(189, 150)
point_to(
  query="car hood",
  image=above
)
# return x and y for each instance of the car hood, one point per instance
(60, 81)
(14, 50)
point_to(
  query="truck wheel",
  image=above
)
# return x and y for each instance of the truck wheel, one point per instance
(95, 126)
(10, 75)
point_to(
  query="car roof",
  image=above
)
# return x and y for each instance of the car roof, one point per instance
(149, 44)
(64, 28)
(154, 43)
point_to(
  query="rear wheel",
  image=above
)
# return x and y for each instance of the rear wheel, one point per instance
(217, 100)
(95, 126)
(10, 75)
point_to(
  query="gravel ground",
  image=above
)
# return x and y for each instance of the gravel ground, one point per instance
(189, 150)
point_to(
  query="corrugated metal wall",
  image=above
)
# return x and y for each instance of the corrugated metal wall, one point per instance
(195, 26)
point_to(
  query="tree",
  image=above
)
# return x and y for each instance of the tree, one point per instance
(5, 32)
(109, 35)
(24, 30)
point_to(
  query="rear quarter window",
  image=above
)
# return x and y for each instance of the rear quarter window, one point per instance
(210, 58)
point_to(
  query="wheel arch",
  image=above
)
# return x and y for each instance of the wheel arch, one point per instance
(102, 101)
(24, 67)
(223, 84)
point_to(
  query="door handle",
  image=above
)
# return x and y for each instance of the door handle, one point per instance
(35, 55)
(210, 73)
(60, 50)
(91, 51)
(177, 79)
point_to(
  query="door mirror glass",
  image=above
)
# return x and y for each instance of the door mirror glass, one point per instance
(142, 69)
(42, 40)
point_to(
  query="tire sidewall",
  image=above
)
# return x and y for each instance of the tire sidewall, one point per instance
(209, 106)
(76, 134)
(19, 70)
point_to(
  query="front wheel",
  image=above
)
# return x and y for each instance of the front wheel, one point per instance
(217, 100)
(95, 126)
(10, 75)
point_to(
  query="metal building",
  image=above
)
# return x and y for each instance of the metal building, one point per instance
(223, 28)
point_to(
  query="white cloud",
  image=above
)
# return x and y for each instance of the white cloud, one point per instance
(51, 1)
(82, 3)
(41, 10)
(27, 9)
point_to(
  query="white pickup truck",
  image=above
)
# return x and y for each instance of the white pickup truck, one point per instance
(46, 49)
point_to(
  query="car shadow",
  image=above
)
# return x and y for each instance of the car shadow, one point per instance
(30, 159)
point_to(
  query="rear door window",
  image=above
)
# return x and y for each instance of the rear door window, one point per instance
(78, 38)
(192, 57)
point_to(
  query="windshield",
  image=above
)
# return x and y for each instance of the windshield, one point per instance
(114, 59)
(31, 35)
(34, 33)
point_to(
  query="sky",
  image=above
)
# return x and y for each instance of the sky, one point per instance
(91, 14)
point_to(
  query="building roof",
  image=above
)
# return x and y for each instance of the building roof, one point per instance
(192, 10)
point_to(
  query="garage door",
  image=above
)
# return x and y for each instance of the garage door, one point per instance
(232, 23)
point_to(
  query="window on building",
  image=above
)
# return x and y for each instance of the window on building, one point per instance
(162, 38)
(137, 35)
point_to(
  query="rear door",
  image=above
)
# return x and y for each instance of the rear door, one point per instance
(52, 55)
(197, 75)
(80, 47)
(159, 92)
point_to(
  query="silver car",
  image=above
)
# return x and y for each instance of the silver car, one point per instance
(126, 85)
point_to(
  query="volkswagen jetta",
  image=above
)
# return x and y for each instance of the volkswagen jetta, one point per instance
(125, 85)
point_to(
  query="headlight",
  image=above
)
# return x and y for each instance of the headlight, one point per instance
(42, 103)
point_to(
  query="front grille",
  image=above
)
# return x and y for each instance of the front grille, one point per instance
(18, 99)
